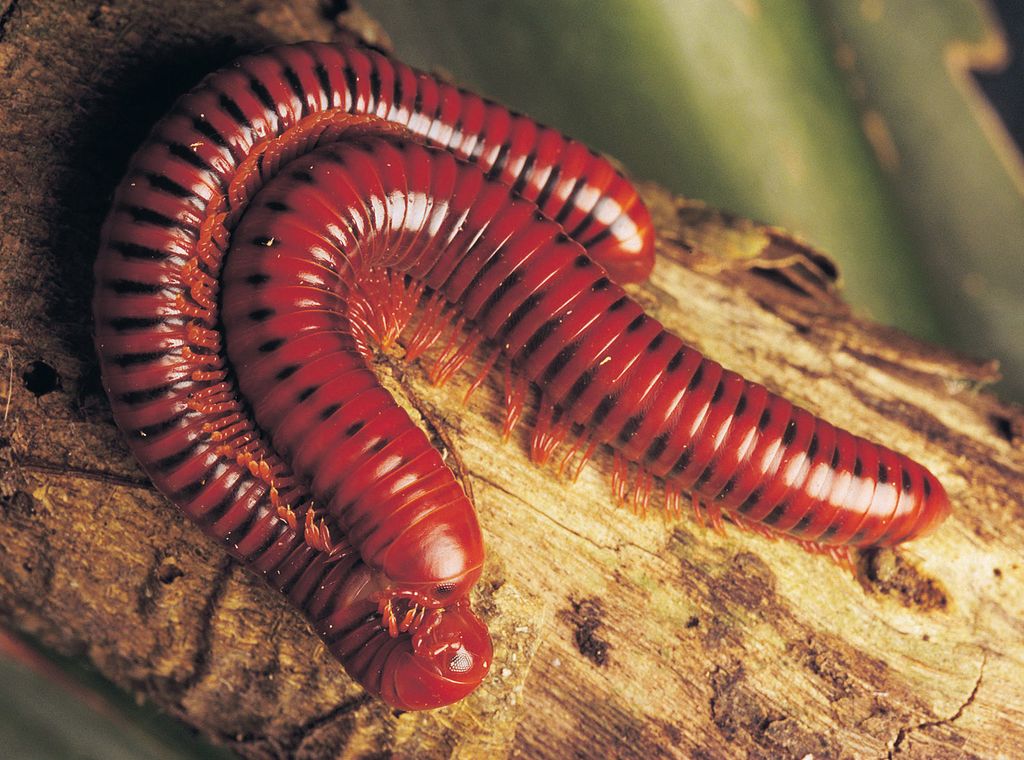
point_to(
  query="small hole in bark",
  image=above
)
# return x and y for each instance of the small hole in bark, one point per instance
(888, 573)
(586, 617)
(1003, 426)
(168, 573)
(18, 504)
(40, 378)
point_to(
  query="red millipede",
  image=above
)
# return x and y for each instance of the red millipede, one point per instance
(294, 209)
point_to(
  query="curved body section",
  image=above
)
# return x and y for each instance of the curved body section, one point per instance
(436, 661)
(600, 362)
(292, 208)
(157, 323)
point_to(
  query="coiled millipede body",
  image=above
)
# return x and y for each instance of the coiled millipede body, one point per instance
(298, 207)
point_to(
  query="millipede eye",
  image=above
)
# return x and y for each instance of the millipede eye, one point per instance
(444, 589)
(461, 662)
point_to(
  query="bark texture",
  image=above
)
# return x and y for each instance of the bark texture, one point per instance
(613, 636)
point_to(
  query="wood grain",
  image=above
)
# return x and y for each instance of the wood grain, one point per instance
(613, 636)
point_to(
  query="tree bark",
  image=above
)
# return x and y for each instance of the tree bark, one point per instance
(614, 636)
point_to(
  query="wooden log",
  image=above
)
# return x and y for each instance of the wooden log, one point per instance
(614, 636)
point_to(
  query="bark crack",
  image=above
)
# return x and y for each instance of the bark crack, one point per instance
(30, 464)
(563, 526)
(5, 17)
(904, 733)
(201, 660)
(287, 745)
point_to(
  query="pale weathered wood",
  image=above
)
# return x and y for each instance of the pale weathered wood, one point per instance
(614, 636)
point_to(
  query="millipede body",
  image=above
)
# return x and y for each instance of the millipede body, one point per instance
(302, 206)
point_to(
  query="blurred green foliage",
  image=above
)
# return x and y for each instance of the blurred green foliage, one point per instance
(54, 707)
(958, 177)
(853, 123)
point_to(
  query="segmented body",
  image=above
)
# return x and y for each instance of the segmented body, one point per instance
(256, 411)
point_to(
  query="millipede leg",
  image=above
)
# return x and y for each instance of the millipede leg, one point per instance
(317, 534)
(744, 524)
(581, 438)
(584, 459)
(698, 510)
(403, 295)
(540, 431)
(287, 514)
(673, 503)
(642, 492)
(432, 325)
(452, 358)
(558, 431)
(515, 398)
(485, 370)
(209, 376)
(714, 513)
(549, 433)
(842, 556)
(447, 350)
(620, 478)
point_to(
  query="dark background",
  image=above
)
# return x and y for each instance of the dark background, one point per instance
(1006, 89)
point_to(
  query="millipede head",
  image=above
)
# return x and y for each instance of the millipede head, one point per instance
(449, 656)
